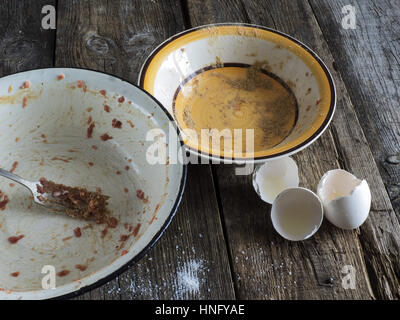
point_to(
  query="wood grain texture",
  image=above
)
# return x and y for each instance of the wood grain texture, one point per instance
(190, 261)
(344, 145)
(24, 45)
(367, 58)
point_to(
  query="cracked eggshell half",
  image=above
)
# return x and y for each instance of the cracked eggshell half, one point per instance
(346, 199)
(274, 176)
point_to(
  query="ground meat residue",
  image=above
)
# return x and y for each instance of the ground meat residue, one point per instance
(103, 92)
(116, 124)
(106, 137)
(15, 239)
(78, 201)
(107, 108)
(121, 99)
(15, 274)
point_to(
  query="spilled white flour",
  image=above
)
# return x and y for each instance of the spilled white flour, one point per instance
(188, 277)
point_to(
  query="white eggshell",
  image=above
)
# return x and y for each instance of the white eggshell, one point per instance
(346, 199)
(274, 176)
(297, 214)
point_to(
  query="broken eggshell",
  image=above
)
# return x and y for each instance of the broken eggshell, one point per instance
(346, 199)
(274, 176)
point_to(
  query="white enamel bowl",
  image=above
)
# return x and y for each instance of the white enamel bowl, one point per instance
(49, 138)
(185, 55)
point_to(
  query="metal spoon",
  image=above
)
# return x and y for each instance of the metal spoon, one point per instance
(32, 186)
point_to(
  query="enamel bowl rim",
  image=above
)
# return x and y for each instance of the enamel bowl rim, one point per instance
(115, 273)
(237, 160)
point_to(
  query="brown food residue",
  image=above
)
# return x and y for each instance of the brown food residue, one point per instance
(14, 166)
(103, 92)
(107, 108)
(112, 222)
(124, 237)
(66, 160)
(63, 273)
(24, 102)
(106, 137)
(90, 130)
(140, 195)
(121, 99)
(4, 202)
(15, 239)
(104, 233)
(78, 232)
(136, 230)
(26, 85)
(61, 76)
(81, 267)
(130, 123)
(14, 274)
(124, 252)
(116, 124)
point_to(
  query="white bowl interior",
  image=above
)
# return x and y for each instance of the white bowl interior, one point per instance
(49, 138)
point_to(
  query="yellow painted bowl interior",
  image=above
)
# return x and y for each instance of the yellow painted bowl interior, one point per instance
(202, 78)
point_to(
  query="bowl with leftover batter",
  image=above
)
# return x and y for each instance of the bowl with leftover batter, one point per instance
(241, 92)
(83, 129)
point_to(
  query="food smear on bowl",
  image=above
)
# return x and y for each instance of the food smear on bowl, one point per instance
(78, 202)
(3, 200)
(15, 239)
(236, 97)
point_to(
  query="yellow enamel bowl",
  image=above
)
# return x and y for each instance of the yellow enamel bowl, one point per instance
(259, 92)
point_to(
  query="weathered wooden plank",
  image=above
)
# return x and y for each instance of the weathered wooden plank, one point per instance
(367, 59)
(24, 45)
(331, 248)
(190, 261)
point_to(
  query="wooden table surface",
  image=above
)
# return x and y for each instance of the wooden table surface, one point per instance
(221, 244)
